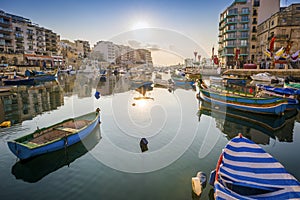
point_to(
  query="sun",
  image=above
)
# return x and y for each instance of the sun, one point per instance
(140, 25)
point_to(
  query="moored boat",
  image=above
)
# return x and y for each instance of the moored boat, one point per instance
(266, 77)
(245, 171)
(55, 137)
(248, 102)
(18, 81)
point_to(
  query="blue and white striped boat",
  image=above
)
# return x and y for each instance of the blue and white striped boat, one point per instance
(246, 171)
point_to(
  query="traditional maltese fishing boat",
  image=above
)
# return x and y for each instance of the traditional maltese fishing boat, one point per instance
(55, 137)
(246, 171)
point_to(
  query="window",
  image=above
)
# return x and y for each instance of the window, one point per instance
(231, 43)
(244, 19)
(232, 27)
(231, 35)
(245, 10)
(256, 3)
(244, 34)
(272, 22)
(253, 47)
(245, 26)
(244, 42)
(232, 11)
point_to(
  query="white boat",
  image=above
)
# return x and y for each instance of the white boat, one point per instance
(266, 77)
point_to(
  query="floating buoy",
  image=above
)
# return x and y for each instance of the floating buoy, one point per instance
(97, 95)
(5, 124)
(144, 144)
(199, 183)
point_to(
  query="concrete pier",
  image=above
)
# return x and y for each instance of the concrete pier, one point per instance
(275, 72)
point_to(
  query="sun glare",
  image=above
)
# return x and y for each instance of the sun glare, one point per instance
(140, 25)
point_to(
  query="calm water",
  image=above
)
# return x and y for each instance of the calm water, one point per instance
(109, 164)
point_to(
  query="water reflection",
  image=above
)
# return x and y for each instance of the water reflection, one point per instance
(258, 128)
(35, 169)
(25, 102)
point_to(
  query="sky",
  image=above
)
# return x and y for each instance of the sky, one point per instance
(176, 28)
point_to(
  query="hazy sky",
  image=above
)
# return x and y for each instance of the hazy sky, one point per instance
(96, 20)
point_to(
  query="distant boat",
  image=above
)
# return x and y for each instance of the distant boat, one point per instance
(18, 81)
(41, 76)
(55, 137)
(245, 171)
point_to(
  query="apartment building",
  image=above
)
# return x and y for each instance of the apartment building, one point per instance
(83, 47)
(106, 51)
(261, 11)
(20, 35)
(284, 25)
(6, 33)
(234, 31)
(238, 30)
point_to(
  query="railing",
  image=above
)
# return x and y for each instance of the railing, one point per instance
(6, 29)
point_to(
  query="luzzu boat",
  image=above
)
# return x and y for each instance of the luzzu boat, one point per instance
(271, 105)
(245, 171)
(55, 137)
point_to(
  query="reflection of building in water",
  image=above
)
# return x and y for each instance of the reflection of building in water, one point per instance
(67, 83)
(26, 102)
(83, 85)
(114, 84)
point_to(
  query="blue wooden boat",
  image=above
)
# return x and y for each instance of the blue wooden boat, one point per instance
(291, 94)
(55, 137)
(33, 170)
(40, 76)
(245, 171)
(271, 105)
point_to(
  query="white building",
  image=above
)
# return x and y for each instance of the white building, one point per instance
(107, 50)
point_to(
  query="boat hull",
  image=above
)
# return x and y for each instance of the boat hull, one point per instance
(275, 106)
(24, 152)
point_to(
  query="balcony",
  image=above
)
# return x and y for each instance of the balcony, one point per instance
(244, 29)
(244, 21)
(231, 22)
(245, 13)
(8, 30)
(4, 23)
(231, 14)
(230, 31)
(7, 37)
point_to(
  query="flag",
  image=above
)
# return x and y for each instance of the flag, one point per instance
(272, 44)
(288, 47)
(268, 53)
(295, 56)
(279, 52)
(216, 60)
(237, 54)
